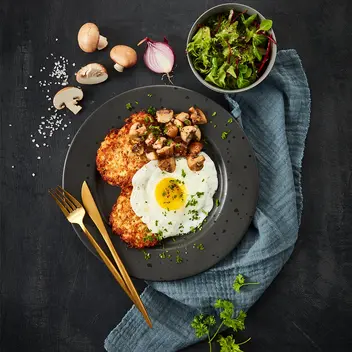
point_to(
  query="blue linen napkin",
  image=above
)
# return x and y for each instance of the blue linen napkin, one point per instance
(275, 117)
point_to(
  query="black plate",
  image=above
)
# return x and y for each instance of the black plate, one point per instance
(237, 192)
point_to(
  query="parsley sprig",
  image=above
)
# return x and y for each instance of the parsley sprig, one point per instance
(204, 325)
(241, 281)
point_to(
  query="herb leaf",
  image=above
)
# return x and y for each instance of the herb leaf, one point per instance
(265, 25)
(240, 282)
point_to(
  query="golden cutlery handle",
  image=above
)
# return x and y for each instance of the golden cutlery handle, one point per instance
(107, 262)
(128, 280)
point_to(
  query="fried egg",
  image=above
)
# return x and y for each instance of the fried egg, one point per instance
(174, 203)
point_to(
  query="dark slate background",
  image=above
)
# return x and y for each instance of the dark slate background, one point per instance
(55, 296)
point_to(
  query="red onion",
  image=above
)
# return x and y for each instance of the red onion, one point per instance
(159, 56)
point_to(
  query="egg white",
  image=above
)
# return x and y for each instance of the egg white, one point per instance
(180, 221)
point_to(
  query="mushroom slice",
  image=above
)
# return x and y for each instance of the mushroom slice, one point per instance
(180, 147)
(164, 115)
(168, 165)
(151, 155)
(198, 134)
(195, 148)
(137, 130)
(165, 152)
(68, 96)
(195, 162)
(138, 149)
(197, 116)
(187, 133)
(171, 130)
(160, 142)
(179, 124)
(89, 38)
(182, 116)
(150, 139)
(123, 56)
(92, 74)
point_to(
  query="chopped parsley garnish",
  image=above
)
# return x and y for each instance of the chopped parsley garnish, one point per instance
(194, 213)
(204, 212)
(156, 222)
(203, 180)
(150, 95)
(200, 247)
(187, 122)
(155, 130)
(214, 113)
(146, 255)
(199, 194)
(136, 102)
(225, 134)
(173, 239)
(162, 255)
(169, 223)
(159, 235)
(151, 110)
(217, 202)
(230, 120)
(149, 238)
(215, 126)
(183, 173)
(191, 203)
(179, 259)
(129, 106)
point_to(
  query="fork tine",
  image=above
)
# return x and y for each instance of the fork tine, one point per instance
(58, 202)
(68, 204)
(71, 197)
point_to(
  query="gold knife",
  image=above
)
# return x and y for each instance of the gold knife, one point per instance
(93, 212)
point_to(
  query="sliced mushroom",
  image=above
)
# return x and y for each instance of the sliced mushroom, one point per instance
(195, 148)
(178, 123)
(197, 116)
(171, 130)
(92, 74)
(159, 143)
(198, 134)
(68, 97)
(89, 38)
(150, 139)
(182, 116)
(195, 162)
(187, 133)
(137, 130)
(180, 147)
(164, 115)
(168, 165)
(165, 152)
(152, 156)
(138, 149)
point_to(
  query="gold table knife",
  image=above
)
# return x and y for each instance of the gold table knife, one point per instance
(93, 212)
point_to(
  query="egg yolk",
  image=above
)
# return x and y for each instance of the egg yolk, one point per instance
(170, 193)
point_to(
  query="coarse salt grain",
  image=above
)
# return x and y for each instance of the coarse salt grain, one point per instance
(56, 68)
(33, 174)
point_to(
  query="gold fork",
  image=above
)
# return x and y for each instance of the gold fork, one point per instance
(74, 212)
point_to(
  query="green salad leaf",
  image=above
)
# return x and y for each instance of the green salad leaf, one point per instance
(230, 51)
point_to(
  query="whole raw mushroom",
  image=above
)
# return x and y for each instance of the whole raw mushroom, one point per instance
(123, 56)
(89, 38)
(68, 96)
(92, 74)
